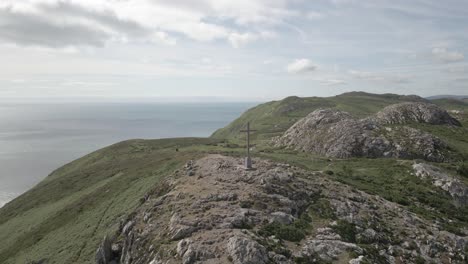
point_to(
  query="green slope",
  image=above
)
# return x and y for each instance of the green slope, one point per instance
(273, 118)
(451, 104)
(64, 217)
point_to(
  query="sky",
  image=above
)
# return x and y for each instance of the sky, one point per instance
(230, 49)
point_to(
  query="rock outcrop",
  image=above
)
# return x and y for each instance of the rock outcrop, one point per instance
(457, 189)
(229, 215)
(337, 134)
(404, 113)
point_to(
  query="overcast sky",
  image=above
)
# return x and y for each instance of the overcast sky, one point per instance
(234, 49)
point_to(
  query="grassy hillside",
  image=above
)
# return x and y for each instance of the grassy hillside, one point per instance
(451, 104)
(64, 217)
(273, 118)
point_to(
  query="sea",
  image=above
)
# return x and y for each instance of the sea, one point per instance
(36, 138)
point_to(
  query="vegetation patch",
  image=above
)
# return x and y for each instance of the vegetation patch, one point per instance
(294, 232)
(462, 169)
(346, 230)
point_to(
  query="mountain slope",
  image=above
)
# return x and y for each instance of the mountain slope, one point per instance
(214, 212)
(337, 134)
(273, 118)
(63, 218)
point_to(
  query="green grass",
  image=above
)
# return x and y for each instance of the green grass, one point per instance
(388, 178)
(294, 232)
(64, 217)
(346, 230)
(273, 118)
(451, 104)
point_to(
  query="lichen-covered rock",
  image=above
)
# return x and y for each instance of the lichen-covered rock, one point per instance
(457, 189)
(335, 133)
(179, 229)
(328, 250)
(415, 112)
(282, 218)
(246, 251)
(206, 220)
(104, 252)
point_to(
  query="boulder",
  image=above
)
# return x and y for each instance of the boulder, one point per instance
(328, 250)
(282, 218)
(335, 133)
(179, 229)
(457, 189)
(104, 252)
(419, 112)
(246, 251)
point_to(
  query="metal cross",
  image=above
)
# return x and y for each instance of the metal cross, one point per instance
(248, 160)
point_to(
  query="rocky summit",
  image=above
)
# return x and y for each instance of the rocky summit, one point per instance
(356, 178)
(335, 133)
(213, 211)
(407, 112)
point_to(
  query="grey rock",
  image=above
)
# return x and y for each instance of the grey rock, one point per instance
(328, 250)
(246, 251)
(282, 218)
(128, 226)
(179, 229)
(104, 252)
(335, 133)
(415, 112)
(222, 197)
(279, 259)
(357, 260)
(457, 189)
(368, 236)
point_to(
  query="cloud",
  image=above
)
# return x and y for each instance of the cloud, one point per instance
(332, 82)
(381, 77)
(64, 23)
(457, 69)
(443, 55)
(238, 40)
(363, 75)
(32, 29)
(301, 66)
(312, 15)
(163, 37)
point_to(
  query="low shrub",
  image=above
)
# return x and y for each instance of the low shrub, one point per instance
(346, 230)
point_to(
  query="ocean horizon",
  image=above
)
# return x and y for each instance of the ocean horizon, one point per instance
(37, 138)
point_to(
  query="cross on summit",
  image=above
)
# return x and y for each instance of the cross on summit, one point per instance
(248, 160)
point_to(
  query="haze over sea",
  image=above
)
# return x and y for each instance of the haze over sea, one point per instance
(36, 138)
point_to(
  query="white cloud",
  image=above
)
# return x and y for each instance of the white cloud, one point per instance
(300, 66)
(314, 15)
(381, 77)
(238, 40)
(363, 75)
(163, 37)
(444, 55)
(458, 69)
(64, 23)
(331, 82)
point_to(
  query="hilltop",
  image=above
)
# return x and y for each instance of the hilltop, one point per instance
(273, 118)
(337, 134)
(213, 211)
(188, 200)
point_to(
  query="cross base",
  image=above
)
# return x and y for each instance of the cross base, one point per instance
(248, 164)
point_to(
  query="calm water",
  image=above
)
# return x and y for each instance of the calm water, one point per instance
(38, 138)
